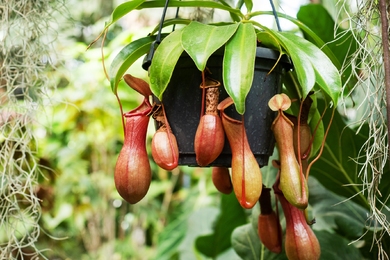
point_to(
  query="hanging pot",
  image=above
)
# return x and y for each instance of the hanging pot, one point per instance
(183, 99)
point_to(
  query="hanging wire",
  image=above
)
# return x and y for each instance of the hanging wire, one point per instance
(275, 15)
(176, 16)
(277, 22)
(148, 58)
(158, 39)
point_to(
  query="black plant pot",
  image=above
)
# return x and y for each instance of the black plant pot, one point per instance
(183, 99)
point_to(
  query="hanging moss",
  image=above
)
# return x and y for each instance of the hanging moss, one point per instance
(25, 50)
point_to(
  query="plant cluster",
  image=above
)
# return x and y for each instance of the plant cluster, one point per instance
(312, 71)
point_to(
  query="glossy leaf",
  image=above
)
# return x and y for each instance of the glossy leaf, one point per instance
(334, 246)
(173, 233)
(311, 65)
(123, 9)
(269, 41)
(331, 214)
(231, 216)
(238, 64)
(164, 62)
(235, 13)
(233, 16)
(316, 123)
(200, 40)
(246, 242)
(324, 27)
(335, 169)
(126, 57)
(199, 222)
(340, 41)
(248, 5)
(314, 38)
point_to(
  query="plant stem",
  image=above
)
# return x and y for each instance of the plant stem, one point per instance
(386, 59)
(322, 145)
(102, 53)
(203, 94)
(121, 109)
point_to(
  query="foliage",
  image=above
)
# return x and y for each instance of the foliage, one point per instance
(361, 166)
(231, 216)
(311, 65)
(183, 216)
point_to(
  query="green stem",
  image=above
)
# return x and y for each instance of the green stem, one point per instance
(296, 84)
(122, 117)
(301, 174)
(203, 94)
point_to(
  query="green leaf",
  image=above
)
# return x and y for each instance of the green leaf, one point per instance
(124, 9)
(249, 5)
(171, 237)
(246, 243)
(232, 215)
(200, 41)
(269, 41)
(164, 61)
(157, 188)
(324, 26)
(239, 63)
(314, 38)
(335, 247)
(317, 124)
(336, 169)
(236, 14)
(311, 65)
(333, 213)
(126, 57)
(198, 224)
